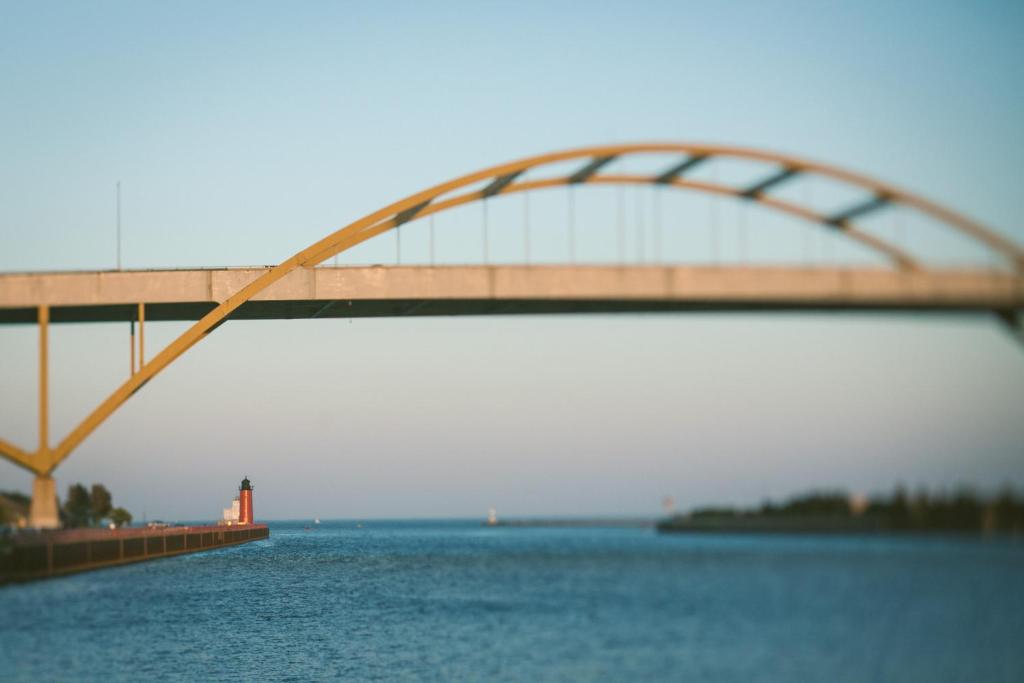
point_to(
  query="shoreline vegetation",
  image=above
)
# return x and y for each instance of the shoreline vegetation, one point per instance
(82, 508)
(962, 511)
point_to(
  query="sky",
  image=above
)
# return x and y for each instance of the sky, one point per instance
(243, 132)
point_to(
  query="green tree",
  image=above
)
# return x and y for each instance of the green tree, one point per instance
(120, 517)
(100, 503)
(1009, 511)
(13, 504)
(77, 506)
(899, 509)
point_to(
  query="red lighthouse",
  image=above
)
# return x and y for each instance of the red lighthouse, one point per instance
(245, 502)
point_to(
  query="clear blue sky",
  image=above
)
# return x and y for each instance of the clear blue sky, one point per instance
(244, 131)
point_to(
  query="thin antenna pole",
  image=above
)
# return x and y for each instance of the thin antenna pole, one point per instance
(621, 222)
(431, 239)
(487, 246)
(572, 226)
(119, 225)
(713, 204)
(638, 206)
(526, 227)
(901, 234)
(806, 234)
(659, 254)
(741, 228)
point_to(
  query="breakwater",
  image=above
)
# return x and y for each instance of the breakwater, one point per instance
(42, 554)
(780, 524)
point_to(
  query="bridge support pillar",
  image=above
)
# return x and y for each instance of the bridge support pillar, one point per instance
(44, 379)
(43, 510)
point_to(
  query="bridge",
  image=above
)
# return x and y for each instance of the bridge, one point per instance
(354, 291)
(303, 287)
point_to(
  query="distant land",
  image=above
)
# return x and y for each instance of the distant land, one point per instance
(626, 522)
(963, 511)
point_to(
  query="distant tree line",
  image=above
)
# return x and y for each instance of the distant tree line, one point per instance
(13, 504)
(962, 510)
(84, 508)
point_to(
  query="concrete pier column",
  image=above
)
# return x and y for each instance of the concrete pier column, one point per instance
(43, 511)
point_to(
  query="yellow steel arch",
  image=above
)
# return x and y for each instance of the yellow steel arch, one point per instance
(504, 180)
(896, 255)
(504, 177)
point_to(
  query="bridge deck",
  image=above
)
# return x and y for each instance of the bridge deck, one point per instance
(487, 290)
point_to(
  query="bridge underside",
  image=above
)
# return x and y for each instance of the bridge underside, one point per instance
(348, 292)
(296, 310)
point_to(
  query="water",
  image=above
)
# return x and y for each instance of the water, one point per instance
(442, 601)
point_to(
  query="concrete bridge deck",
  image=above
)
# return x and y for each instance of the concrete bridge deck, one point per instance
(352, 291)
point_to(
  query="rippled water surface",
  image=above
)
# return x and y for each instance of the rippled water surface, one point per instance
(455, 601)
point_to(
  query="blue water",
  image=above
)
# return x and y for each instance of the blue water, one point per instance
(442, 601)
